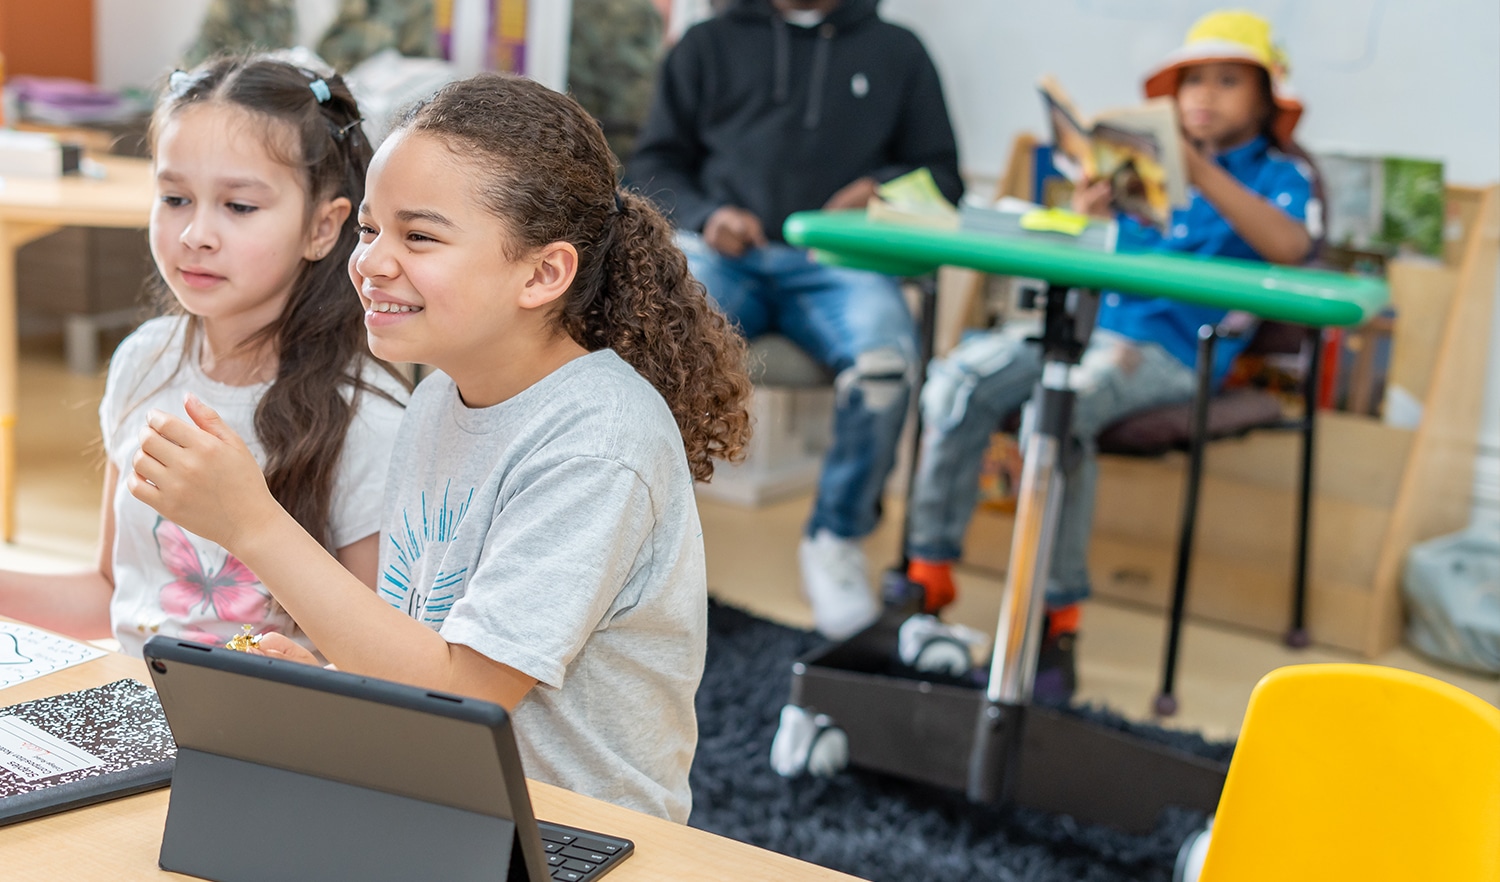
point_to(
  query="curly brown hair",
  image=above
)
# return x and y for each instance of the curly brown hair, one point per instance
(545, 170)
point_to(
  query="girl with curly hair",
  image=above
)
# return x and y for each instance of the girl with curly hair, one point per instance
(540, 546)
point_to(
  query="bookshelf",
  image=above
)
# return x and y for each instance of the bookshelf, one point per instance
(1378, 488)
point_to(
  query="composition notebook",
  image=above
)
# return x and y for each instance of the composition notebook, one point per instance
(72, 750)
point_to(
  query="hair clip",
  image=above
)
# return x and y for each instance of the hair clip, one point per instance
(340, 131)
(320, 90)
(179, 82)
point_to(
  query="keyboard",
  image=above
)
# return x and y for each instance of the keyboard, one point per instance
(575, 855)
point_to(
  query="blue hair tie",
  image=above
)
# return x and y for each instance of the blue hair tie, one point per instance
(320, 90)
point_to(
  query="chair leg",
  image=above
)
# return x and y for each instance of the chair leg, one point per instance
(1166, 701)
(1296, 635)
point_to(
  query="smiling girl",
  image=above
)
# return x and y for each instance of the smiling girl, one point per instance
(541, 542)
(258, 167)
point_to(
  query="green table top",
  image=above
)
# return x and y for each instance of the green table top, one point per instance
(1289, 294)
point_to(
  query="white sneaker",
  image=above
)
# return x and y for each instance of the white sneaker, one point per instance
(837, 584)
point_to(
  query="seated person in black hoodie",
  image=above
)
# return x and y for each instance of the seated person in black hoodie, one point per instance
(778, 106)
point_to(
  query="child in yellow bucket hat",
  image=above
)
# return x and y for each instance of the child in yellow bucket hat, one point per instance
(1233, 37)
(1253, 198)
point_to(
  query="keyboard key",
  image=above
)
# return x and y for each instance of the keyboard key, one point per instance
(584, 854)
(553, 846)
(596, 845)
(555, 860)
(567, 875)
(580, 866)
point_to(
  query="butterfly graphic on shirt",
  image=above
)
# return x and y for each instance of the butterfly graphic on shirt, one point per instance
(231, 591)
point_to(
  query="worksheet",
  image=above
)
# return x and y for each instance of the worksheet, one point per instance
(26, 653)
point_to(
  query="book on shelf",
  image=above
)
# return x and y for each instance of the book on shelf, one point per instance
(79, 748)
(1138, 150)
(1383, 206)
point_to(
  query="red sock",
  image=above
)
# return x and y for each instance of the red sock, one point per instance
(936, 579)
(1063, 619)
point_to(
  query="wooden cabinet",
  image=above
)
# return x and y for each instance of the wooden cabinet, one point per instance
(1379, 489)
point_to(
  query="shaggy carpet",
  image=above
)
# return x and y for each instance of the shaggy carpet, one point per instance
(876, 827)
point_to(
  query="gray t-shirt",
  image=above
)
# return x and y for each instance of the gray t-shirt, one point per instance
(557, 533)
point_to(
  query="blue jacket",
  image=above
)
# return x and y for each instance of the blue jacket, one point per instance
(1199, 229)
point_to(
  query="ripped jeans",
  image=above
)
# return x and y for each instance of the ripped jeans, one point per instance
(989, 376)
(856, 323)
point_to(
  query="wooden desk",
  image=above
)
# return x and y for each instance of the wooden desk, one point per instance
(29, 209)
(120, 840)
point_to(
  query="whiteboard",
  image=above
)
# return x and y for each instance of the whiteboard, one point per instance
(1399, 77)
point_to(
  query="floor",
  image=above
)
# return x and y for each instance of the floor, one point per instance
(751, 563)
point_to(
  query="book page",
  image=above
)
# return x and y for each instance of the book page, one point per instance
(27, 653)
(1157, 118)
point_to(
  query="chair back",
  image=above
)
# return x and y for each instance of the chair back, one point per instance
(1360, 772)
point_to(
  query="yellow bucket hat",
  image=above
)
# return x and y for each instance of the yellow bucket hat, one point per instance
(1231, 36)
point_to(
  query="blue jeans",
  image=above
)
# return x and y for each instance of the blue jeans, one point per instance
(859, 326)
(989, 376)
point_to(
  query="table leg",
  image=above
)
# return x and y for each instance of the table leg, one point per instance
(12, 237)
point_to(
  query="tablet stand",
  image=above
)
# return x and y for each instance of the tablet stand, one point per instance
(224, 812)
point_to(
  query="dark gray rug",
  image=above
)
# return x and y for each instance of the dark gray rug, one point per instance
(880, 828)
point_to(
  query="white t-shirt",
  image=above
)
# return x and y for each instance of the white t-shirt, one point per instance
(172, 582)
(557, 533)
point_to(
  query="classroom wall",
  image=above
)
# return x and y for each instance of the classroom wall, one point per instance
(138, 39)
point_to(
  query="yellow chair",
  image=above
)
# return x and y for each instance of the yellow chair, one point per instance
(1362, 773)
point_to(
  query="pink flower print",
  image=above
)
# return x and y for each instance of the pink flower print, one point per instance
(234, 592)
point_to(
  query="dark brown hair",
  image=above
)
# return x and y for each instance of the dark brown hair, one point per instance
(544, 169)
(319, 339)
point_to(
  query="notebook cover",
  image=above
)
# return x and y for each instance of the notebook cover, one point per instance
(120, 723)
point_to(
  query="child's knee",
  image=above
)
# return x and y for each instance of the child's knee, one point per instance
(879, 375)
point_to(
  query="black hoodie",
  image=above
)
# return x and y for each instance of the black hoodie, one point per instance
(751, 110)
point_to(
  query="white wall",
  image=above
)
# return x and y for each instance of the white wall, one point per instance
(136, 41)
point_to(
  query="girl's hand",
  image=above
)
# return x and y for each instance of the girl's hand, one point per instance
(1092, 198)
(274, 645)
(200, 476)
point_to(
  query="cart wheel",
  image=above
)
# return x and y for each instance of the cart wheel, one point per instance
(935, 647)
(1190, 856)
(808, 743)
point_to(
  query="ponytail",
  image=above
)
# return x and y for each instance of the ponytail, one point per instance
(643, 304)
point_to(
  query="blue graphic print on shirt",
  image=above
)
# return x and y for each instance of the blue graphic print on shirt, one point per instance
(428, 604)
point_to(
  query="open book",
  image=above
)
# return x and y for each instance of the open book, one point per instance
(1137, 149)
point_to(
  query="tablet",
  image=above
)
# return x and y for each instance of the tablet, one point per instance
(292, 771)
